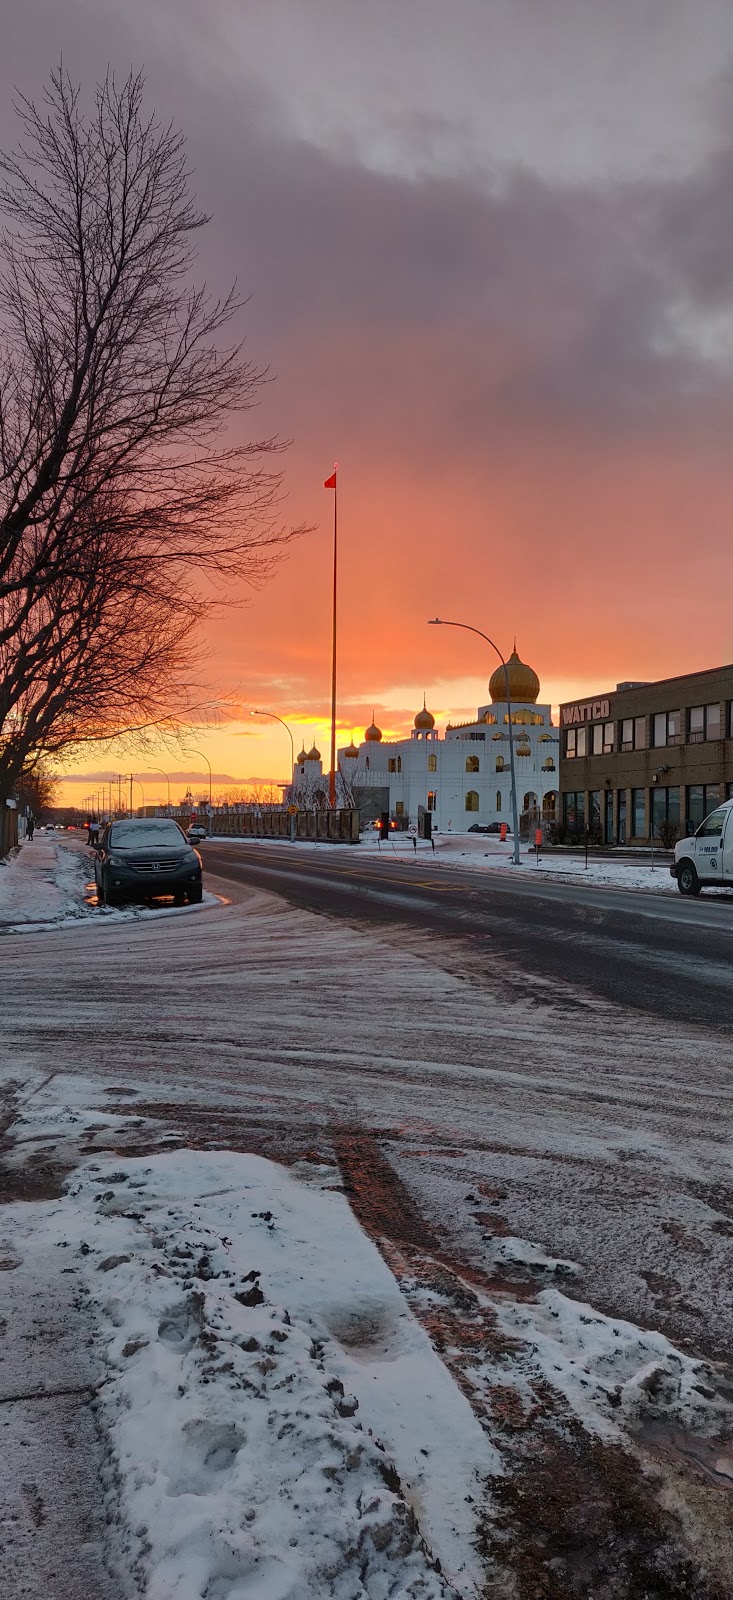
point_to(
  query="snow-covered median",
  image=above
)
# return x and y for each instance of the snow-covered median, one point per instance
(278, 1423)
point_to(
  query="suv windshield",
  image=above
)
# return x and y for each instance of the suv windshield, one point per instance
(146, 831)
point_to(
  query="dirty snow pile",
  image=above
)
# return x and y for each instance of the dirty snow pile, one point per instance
(277, 1422)
(613, 1373)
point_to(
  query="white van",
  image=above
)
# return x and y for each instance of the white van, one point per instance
(708, 856)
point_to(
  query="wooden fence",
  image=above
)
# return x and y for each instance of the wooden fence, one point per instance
(337, 826)
(8, 829)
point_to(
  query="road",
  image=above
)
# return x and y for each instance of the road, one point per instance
(509, 1074)
(658, 953)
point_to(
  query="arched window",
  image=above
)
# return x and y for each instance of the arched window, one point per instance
(431, 800)
(399, 763)
(472, 800)
(432, 763)
(548, 765)
(500, 763)
(530, 802)
(498, 799)
(549, 804)
(472, 764)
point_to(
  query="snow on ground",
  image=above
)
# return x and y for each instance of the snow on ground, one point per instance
(614, 1374)
(277, 1421)
(47, 885)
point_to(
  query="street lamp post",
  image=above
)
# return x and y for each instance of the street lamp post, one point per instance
(288, 731)
(167, 779)
(440, 622)
(200, 753)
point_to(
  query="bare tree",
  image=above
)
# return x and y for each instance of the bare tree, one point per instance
(116, 495)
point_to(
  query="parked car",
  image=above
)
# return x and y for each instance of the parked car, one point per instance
(143, 857)
(196, 832)
(489, 827)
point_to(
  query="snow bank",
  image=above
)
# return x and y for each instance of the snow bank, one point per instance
(614, 1373)
(278, 1422)
(47, 886)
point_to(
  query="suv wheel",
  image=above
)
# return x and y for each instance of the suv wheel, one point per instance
(688, 882)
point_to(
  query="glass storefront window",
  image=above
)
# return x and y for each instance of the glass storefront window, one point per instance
(638, 809)
(622, 816)
(695, 806)
(608, 824)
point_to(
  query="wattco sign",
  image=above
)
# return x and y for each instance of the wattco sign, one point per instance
(592, 711)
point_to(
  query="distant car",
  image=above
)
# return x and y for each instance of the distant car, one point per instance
(196, 832)
(143, 857)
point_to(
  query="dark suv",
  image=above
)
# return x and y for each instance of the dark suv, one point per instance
(143, 857)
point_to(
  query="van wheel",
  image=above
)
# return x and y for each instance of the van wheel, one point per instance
(687, 879)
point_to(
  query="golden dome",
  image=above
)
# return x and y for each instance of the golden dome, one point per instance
(351, 751)
(424, 721)
(302, 757)
(373, 734)
(313, 754)
(524, 685)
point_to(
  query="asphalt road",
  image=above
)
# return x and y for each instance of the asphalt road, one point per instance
(657, 953)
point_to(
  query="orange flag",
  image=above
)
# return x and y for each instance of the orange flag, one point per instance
(330, 483)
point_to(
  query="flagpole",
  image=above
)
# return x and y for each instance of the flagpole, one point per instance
(332, 775)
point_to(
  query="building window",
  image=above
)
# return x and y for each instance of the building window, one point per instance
(627, 733)
(548, 765)
(702, 798)
(570, 743)
(581, 741)
(431, 800)
(665, 807)
(432, 763)
(574, 809)
(730, 720)
(640, 733)
(598, 739)
(638, 814)
(472, 764)
(549, 804)
(399, 809)
(500, 763)
(609, 738)
(391, 765)
(667, 728)
(712, 722)
(498, 799)
(608, 819)
(594, 814)
(399, 763)
(472, 800)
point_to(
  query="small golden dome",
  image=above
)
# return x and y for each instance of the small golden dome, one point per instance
(301, 757)
(424, 721)
(373, 734)
(313, 754)
(351, 751)
(524, 685)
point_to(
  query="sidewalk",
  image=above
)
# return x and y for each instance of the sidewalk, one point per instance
(39, 883)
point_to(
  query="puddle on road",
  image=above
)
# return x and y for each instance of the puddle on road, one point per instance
(713, 1456)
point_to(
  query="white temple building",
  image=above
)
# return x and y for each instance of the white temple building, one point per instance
(461, 777)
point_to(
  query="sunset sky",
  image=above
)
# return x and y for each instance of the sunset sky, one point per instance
(488, 249)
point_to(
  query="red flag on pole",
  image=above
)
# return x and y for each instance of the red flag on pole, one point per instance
(330, 483)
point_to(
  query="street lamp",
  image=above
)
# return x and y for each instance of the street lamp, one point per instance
(208, 763)
(167, 779)
(284, 725)
(440, 622)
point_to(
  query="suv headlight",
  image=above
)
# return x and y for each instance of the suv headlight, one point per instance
(191, 858)
(114, 861)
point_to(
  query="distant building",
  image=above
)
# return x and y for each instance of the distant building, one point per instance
(647, 754)
(461, 777)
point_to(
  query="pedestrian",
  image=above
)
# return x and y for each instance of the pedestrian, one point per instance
(30, 825)
(414, 842)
